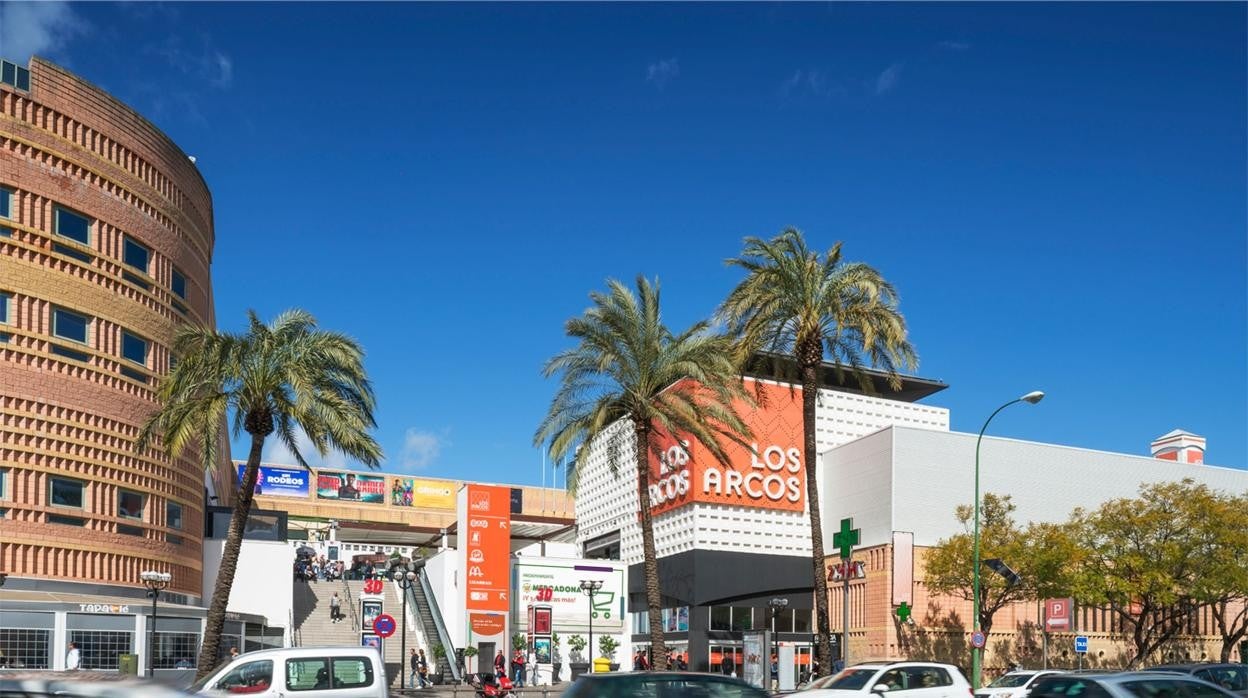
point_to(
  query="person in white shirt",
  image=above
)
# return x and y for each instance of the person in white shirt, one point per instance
(531, 660)
(71, 659)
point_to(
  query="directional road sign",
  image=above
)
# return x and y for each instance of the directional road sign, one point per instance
(384, 625)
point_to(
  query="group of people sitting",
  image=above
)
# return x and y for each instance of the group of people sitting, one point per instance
(310, 568)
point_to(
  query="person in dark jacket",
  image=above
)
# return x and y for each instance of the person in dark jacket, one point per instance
(727, 665)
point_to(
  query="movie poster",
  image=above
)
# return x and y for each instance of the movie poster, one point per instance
(350, 487)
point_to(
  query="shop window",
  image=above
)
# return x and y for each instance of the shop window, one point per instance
(721, 618)
(73, 226)
(246, 677)
(130, 504)
(69, 325)
(63, 492)
(6, 203)
(742, 618)
(26, 648)
(178, 651)
(134, 348)
(99, 649)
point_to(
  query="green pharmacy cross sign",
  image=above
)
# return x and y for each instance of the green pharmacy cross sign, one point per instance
(903, 612)
(845, 539)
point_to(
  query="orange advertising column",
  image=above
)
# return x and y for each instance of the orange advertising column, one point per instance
(484, 540)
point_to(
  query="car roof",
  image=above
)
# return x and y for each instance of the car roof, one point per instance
(307, 651)
(1194, 666)
(619, 675)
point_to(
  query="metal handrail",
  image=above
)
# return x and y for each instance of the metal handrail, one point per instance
(443, 636)
(351, 601)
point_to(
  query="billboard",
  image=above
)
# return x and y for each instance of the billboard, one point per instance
(350, 487)
(486, 528)
(421, 493)
(279, 482)
(768, 475)
(558, 585)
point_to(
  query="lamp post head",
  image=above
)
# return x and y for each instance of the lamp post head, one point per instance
(411, 576)
(1033, 397)
(779, 603)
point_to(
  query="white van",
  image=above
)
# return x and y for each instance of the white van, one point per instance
(300, 672)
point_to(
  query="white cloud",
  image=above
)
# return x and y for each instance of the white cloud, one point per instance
(888, 79)
(808, 82)
(225, 71)
(954, 45)
(420, 449)
(663, 72)
(276, 452)
(37, 28)
(204, 61)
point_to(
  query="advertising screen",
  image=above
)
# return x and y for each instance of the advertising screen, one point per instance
(279, 482)
(557, 586)
(350, 487)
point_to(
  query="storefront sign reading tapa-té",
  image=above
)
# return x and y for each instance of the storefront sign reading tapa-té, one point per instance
(273, 481)
(770, 475)
(486, 530)
(350, 487)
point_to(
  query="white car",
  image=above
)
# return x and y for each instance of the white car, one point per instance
(306, 672)
(896, 680)
(1015, 684)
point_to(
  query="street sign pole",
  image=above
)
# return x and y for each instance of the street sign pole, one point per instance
(1044, 628)
(845, 539)
(1074, 611)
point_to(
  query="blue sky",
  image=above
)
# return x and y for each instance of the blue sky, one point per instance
(1057, 191)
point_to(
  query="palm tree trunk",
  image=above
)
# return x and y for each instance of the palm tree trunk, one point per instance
(650, 564)
(208, 652)
(810, 358)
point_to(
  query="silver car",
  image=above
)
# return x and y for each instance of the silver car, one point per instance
(82, 684)
(1131, 684)
(1015, 684)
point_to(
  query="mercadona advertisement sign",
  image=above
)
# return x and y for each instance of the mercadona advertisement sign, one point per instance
(559, 586)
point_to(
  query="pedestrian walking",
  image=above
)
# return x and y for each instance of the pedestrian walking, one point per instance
(72, 657)
(413, 661)
(726, 665)
(531, 661)
(423, 671)
(500, 665)
(335, 608)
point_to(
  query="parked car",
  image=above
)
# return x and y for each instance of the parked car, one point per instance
(1232, 677)
(82, 684)
(1015, 684)
(1130, 684)
(309, 672)
(668, 684)
(906, 679)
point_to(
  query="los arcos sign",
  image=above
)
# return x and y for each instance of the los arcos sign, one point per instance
(768, 475)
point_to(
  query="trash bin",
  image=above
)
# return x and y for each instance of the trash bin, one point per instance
(602, 665)
(128, 664)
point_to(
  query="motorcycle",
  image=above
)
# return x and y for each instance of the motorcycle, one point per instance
(488, 685)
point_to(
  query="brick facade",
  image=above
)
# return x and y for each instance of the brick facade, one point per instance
(73, 409)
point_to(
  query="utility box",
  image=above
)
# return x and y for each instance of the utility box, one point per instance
(128, 664)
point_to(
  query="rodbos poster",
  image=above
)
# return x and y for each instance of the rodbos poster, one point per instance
(280, 482)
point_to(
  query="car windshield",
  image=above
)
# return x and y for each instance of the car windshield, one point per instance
(1010, 681)
(850, 679)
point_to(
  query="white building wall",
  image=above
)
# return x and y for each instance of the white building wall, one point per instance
(904, 479)
(607, 502)
(443, 572)
(262, 580)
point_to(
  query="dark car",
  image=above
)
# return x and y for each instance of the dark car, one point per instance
(1127, 684)
(661, 684)
(1232, 677)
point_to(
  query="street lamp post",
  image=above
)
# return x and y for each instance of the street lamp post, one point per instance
(977, 652)
(591, 587)
(155, 583)
(404, 577)
(775, 606)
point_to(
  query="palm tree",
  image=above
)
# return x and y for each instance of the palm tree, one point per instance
(794, 302)
(629, 369)
(273, 378)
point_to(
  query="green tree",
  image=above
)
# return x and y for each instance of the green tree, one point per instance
(796, 302)
(1144, 559)
(1225, 585)
(1041, 555)
(629, 382)
(274, 379)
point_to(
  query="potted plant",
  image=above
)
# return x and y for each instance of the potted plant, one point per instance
(469, 653)
(439, 654)
(607, 645)
(578, 665)
(517, 642)
(556, 657)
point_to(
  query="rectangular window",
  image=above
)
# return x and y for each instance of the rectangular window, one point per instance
(742, 618)
(179, 284)
(130, 504)
(26, 648)
(307, 674)
(351, 672)
(6, 203)
(135, 531)
(71, 326)
(134, 348)
(74, 226)
(135, 254)
(4, 481)
(71, 252)
(15, 75)
(6, 299)
(176, 650)
(721, 618)
(99, 649)
(801, 621)
(67, 520)
(63, 492)
(173, 515)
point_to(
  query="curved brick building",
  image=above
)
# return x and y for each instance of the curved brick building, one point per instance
(105, 244)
